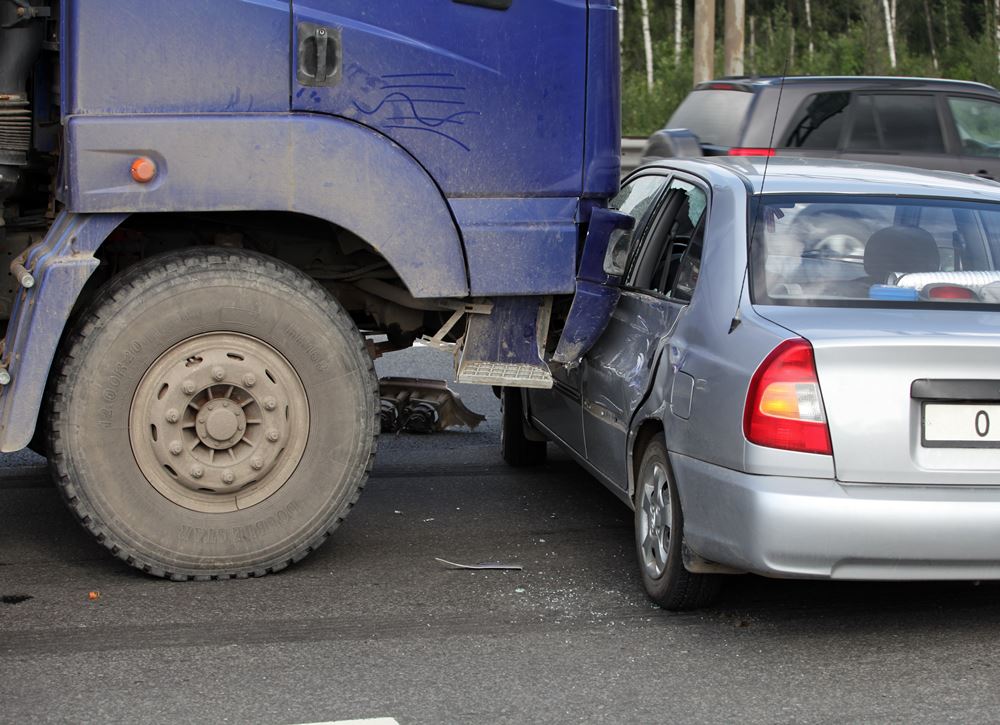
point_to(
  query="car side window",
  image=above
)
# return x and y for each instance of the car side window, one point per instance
(978, 124)
(636, 199)
(669, 265)
(896, 122)
(818, 123)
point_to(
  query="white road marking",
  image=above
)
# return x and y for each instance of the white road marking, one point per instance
(364, 721)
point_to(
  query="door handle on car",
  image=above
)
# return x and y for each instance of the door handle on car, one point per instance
(319, 55)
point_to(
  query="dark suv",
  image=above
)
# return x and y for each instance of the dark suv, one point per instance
(928, 123)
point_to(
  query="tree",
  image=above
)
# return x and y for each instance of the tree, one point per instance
(890, 29)
(647, 43)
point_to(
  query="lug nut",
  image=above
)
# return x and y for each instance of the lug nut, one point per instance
(273, 435)
(202, 420)
(270, 403)
(176, 448)
(218, 373)
(228, 477)
(197, 472)
(188, 387)
(257, 463)
(225, 403)
(173, 416)
(4, 377)
(249, 380)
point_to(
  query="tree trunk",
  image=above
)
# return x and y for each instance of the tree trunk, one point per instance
(809, 27)
(996, 29)
(704, 40)
(678, 28)
(946, 11)
(753, 46)
(647, 43)
(621, 27)
(890, 35)
(930, 35)
(734, 37)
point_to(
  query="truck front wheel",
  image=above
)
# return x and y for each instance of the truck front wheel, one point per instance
(214, 415)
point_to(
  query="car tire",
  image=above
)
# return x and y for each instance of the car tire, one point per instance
(515, 447)
(659, 527)
(214, 415)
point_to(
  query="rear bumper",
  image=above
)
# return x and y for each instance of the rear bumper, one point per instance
(819, 528)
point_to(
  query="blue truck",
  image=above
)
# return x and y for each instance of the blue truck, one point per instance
(217, 213)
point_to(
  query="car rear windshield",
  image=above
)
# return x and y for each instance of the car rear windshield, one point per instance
(875, 251)
(714, 116)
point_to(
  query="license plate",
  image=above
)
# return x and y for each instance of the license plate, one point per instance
(961, 425)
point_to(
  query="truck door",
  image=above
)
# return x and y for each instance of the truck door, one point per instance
(489, 95)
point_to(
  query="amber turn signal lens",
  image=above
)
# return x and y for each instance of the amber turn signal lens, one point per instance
(143, 170)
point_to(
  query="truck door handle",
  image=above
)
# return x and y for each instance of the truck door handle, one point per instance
(493, 4)
(319, 56)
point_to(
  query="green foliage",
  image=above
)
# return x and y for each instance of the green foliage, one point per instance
(848, 38)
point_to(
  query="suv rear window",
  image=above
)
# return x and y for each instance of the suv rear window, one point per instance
(716, 116)
(872, 251)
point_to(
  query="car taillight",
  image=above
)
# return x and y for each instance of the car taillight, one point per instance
(784, 407)
(743, 151)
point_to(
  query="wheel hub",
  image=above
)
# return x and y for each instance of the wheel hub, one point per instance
(654, 521)
(219, 422)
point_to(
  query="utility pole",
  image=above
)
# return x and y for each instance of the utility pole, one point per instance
(704, 40)
(734, 43)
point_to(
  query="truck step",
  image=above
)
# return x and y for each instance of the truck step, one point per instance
(514, 375)
(505, 346)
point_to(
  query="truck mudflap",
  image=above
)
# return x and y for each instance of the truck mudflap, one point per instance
(56, 270)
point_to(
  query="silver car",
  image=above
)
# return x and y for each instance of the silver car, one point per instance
(800, 377)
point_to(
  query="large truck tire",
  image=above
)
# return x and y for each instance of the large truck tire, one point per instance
(214, 415)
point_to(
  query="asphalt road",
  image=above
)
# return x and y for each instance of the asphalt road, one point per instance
(371, 626)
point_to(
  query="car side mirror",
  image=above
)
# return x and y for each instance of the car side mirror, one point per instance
(605, 250)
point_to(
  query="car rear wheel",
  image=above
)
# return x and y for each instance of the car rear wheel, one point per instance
(214, 415)
(515, 447)
(659, 527)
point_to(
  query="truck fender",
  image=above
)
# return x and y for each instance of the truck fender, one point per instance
(60, 266)
(323, 166)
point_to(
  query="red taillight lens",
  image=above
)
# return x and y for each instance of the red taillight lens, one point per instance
(784, 408)
(741, 151)
(950, 292)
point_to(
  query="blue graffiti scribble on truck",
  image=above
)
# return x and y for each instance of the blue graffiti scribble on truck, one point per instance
(219, 213)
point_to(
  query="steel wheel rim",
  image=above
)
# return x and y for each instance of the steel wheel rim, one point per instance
(655, 508)
(219, 422)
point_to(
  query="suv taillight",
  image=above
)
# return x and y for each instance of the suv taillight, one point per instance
(784, 407)
(743, 151)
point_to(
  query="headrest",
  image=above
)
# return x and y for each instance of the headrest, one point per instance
(900, 249)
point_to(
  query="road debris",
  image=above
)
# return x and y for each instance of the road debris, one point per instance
(483, 565)
(416, 405)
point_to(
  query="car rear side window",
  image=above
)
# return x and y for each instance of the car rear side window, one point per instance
(897, 123)
(873, 251)
(716, 116)
(818, 123)
(978, 125)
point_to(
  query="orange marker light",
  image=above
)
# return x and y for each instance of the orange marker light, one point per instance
(143, 170)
